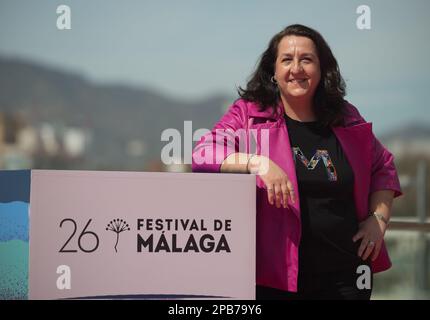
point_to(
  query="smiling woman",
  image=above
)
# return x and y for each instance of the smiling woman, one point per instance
(297, 73)
(320, 151)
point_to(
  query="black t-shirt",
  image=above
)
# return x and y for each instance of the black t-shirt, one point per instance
(325, 180)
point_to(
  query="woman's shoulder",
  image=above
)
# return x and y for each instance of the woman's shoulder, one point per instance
(351, 115)
(254, 109)
(239, 108)
(246, 105)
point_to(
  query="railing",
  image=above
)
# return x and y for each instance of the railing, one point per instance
(410, 246)
(404, 225)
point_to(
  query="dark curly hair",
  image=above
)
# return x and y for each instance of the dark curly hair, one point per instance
(328, 100)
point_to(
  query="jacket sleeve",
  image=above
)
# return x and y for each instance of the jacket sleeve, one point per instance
(218, 144)
(384, 174)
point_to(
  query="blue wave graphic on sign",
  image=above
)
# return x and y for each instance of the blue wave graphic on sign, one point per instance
(14, 221)
(13, 270)
(14, 233)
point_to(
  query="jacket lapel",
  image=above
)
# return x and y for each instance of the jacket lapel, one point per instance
(279, 151)
(356, 142)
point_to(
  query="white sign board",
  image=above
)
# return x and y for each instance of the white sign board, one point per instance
(96, 234)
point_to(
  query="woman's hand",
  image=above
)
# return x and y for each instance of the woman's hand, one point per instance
(279, 187)
(371, 231)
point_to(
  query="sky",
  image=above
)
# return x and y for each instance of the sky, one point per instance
(192, 49)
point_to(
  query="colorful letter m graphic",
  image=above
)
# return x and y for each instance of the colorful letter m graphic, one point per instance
(319, 154)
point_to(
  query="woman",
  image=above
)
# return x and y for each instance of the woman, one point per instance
(326, 184)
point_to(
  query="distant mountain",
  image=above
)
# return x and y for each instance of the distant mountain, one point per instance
(411, 131)
(411, 141)
(114, 114)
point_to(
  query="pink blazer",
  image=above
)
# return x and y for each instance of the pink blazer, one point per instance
(279, 229)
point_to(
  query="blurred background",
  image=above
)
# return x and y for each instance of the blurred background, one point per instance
(98, 96)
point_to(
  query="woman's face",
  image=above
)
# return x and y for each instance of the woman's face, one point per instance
(297, 67)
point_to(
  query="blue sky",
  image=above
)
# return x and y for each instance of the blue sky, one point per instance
(190, 49)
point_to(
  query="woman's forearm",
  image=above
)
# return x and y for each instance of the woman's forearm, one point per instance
(236, 163)
(381, 202)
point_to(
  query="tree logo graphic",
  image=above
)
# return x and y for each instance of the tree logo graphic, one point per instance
(117, 226)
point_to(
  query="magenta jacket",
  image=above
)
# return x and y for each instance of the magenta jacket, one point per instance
(279, 229)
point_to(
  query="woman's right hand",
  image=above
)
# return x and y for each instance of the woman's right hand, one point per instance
(279, 187)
